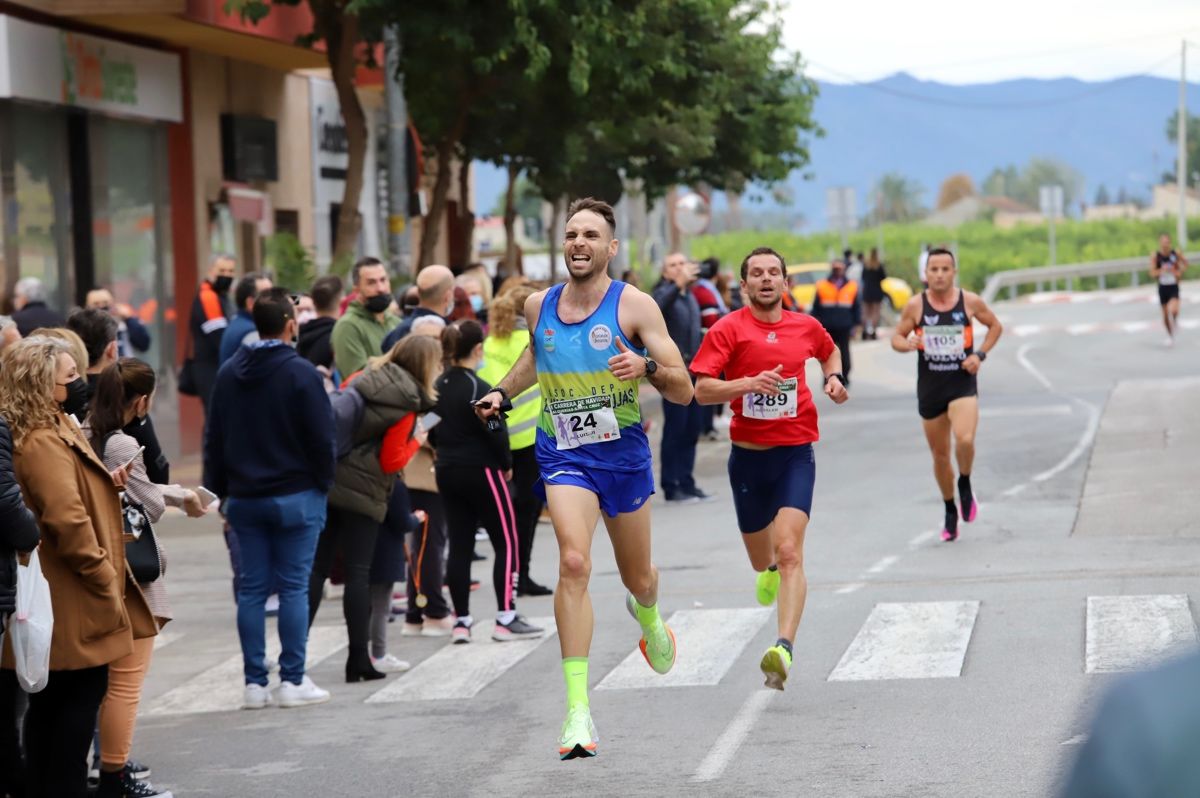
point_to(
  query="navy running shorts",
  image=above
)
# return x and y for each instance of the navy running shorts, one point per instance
(618, 491)
(764, 481)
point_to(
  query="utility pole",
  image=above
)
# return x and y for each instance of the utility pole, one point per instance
(1181, 157)
(397, 155)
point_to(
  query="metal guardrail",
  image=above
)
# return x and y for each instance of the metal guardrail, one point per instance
(1068, 273)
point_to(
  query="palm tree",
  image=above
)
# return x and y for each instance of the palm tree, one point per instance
(898, 197)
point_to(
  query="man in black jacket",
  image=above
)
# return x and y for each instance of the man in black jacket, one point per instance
(18, 528)
(314, 345)
(681, 423)
(269, 450)
(211, 311)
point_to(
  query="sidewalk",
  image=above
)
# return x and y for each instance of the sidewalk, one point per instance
(1147, 444)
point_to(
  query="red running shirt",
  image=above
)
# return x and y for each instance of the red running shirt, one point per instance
(740, 345)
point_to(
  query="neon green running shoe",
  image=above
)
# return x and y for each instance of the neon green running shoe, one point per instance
(578, 738)
(767, 587)
(658, 642)
(775, 666)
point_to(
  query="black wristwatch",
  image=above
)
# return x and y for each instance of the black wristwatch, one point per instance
(981, 355)
(502, 392)
(841, 377)
(651, 366)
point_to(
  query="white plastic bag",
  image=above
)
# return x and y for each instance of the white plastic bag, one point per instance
(32, 626)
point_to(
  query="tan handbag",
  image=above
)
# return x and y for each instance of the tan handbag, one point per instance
(418, 474)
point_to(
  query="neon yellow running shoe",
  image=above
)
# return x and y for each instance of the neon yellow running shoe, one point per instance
(775, 666)
(578, 738)
(658, 642)
(767, 587)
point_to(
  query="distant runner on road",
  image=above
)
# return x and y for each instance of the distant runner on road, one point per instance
(592, 340)
(754, 359)
(1166, 267)
(938, 324)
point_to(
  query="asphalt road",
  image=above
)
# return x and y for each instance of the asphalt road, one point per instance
(922, 668)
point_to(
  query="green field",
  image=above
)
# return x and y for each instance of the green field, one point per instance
(982, 248)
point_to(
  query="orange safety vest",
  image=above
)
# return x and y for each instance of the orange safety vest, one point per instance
(830, 294)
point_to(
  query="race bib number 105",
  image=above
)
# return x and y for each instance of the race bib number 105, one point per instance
(766, 406)
(578, 422)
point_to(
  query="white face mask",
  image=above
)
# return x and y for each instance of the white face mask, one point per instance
(305, 316)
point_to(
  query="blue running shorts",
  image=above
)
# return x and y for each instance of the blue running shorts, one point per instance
(767, 480)
(618, 491)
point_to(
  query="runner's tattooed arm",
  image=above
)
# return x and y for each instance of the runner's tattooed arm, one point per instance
(641, 318)
(902, 339)
(523, 374)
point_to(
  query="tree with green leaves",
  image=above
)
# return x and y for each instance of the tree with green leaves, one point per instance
(899, 198)
(1193, 144)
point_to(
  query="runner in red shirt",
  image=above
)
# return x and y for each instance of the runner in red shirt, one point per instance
(754, 358)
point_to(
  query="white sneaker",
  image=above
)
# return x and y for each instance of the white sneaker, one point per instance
(291, 695)
(1169, 341)
(411, 629)
(389, 663)
(255, 696)
(437, 627)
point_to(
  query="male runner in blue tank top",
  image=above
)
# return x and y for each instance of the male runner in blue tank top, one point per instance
(592, 340)
(937, 324)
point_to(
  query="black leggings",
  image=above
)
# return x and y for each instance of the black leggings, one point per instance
(354, 535)
(526, 503)
(58, 731)
(472, 495)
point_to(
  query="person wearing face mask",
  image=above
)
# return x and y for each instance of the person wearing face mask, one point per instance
(269, 452)
(359, 333)
(838, 306)
(435, 294)
(211, 311)
(99, 333)
(99, 611)
(315, 344)
(75, 401)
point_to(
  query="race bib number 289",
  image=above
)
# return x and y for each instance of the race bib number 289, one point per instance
(766, 406)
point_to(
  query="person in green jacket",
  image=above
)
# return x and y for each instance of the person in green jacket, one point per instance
(359, 333)
(508, 337)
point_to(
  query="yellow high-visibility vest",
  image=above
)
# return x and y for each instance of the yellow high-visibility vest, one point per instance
(499, 355)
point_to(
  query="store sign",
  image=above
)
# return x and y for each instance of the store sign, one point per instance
(45, 64)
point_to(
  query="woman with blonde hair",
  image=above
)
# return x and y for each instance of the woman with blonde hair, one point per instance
(395, 388)
(99, 611)
(508, 337)
(77, 391)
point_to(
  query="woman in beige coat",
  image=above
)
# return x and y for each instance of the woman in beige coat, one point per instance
(98, 609)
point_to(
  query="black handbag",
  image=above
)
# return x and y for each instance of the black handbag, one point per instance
(187, 384)
(142, 552)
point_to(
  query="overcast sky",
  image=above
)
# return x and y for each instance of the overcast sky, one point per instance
(961, 41)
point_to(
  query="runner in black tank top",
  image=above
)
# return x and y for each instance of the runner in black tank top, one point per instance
(937, 325)
(1166, 267)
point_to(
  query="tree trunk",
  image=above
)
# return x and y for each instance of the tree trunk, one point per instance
(341, 38)
(431, 228)
(510, 217)
(466, 216)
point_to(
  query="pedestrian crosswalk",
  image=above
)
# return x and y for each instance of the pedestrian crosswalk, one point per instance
(895, 641)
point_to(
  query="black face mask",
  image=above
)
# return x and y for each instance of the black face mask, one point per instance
(77, 398)
(378, 303)
(222, 284)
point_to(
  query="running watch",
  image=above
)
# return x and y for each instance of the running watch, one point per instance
(981, 355)
(651, 366)
(841, 377)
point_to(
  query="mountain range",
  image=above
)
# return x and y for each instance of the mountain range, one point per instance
(1113, 132)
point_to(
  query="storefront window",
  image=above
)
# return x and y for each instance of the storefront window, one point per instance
(132, 257)
(38, 220)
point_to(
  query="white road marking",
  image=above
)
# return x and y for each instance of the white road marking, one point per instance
(708, 642)
(457, 672)
(923, 538)
(1135, 326)
(918, 640)
(1022, 330)
(1082, 329)
(727, 745)
(1023, 359)
(884, 564)
(166, 638)
(219, 689)
(1036, 411)
(1189, 324)
(1126, 633)
(846, 590)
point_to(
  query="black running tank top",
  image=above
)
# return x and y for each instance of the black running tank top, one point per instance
(945, 338)
(1167, 264)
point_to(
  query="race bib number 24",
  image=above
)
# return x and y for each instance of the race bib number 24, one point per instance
(578, 422)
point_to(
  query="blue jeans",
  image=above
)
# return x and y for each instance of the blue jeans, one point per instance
(278, 538)
(681, 430)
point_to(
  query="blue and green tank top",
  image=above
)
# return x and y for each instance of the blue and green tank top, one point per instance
(589, 417)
